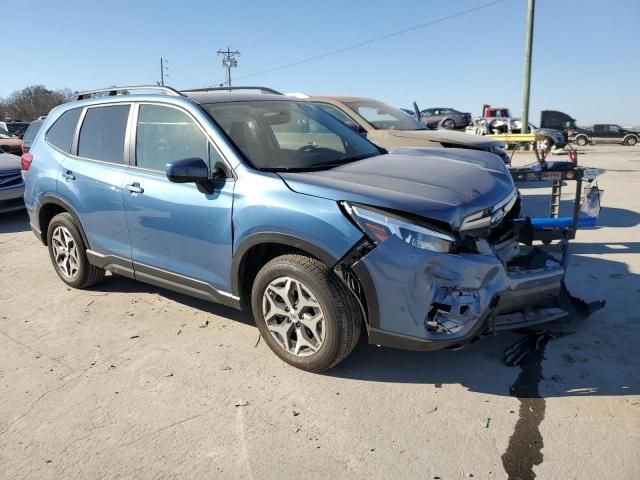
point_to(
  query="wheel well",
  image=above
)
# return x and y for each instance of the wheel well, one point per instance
(254, 259)
(45, 214)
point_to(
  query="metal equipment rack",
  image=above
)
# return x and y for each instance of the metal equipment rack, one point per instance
(555, 227)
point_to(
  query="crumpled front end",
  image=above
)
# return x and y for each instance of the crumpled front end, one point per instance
(425, 300)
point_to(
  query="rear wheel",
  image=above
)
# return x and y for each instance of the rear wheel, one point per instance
(631, 141)
(304, 313)
(448, 124)
(582, 141)
(68, 253)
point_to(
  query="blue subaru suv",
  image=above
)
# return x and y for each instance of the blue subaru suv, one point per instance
(265, 202)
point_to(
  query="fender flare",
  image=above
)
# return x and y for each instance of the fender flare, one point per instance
(56, 200)
(285, 239)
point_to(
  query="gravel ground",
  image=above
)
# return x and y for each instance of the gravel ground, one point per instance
(129, 381)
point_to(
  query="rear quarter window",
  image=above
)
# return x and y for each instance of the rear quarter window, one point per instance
(102, 133)
(61, 132)
(31, 132)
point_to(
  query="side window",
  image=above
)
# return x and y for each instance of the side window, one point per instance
(102, 133)
(165, 134)
(335, 111)
(61, 132)
(32, 131)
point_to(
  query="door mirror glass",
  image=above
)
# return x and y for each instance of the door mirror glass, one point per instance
(188, 170)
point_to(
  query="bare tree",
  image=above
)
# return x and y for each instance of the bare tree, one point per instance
(32, 102)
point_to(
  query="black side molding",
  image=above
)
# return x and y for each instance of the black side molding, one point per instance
(163, 279)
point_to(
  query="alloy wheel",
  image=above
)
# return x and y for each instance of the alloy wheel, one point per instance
(293, 316)
(65, 252)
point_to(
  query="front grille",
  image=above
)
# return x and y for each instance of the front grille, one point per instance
(10, 179)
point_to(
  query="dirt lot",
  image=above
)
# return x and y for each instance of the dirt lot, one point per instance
(121, 381)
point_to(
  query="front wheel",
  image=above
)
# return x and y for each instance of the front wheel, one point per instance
(304, 313)
(631, 141)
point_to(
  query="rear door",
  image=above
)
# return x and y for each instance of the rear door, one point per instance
(91, 177)
(176, 231)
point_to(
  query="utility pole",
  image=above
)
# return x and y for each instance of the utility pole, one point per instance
(161, 71)
(228, 61)
(526, 86)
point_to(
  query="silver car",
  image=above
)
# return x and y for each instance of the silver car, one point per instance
(11, 183)
(447, 118)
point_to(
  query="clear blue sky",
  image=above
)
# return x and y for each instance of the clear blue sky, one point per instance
(585, 62)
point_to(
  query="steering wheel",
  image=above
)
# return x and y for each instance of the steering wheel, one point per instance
(308, 148)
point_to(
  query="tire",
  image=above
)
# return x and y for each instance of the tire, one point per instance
(582, 141)
(448, 124)
(317, 349)
(63, 239)
(631, 140)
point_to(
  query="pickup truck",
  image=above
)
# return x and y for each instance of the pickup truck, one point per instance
(606, 133)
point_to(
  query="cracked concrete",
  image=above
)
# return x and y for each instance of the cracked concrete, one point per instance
(80, 398)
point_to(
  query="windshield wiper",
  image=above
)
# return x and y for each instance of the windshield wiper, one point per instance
(322, 166)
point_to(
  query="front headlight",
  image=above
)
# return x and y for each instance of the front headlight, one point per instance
(379, 226)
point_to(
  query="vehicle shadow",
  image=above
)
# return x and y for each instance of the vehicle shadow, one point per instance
(14, 222)
(584, 357)
(116, 283)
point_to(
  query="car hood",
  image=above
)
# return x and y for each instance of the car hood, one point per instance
(434, 183)
(448, 136)
(9, 162)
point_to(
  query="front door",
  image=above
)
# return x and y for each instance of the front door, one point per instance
(174, 228)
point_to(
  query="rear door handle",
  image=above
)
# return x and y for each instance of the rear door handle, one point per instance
(68, 174)
(134, 188)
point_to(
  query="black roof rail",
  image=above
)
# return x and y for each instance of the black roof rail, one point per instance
(229, 89)
(124, 91)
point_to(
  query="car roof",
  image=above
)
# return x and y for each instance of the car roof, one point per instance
(226, 97)
(341, 98)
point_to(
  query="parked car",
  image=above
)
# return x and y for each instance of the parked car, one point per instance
(30, 134)
(553, 139)
(605, 133)
(268, 203)
(389, 128)
(10, 143)
(11, 183)
(447, 118)
(15, 128)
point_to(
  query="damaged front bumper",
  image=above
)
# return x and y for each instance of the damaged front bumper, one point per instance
(421, 300)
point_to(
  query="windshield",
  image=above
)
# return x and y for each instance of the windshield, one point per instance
(384, 117)
(289, 135)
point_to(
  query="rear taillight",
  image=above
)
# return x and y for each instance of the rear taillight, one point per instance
(25, 161)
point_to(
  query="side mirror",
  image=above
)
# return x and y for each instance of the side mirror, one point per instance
(355, 127)
(188, 170)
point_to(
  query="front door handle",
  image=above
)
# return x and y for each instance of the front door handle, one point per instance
(134, 188)
(68, 174)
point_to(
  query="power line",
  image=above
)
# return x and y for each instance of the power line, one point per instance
(376, 39)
